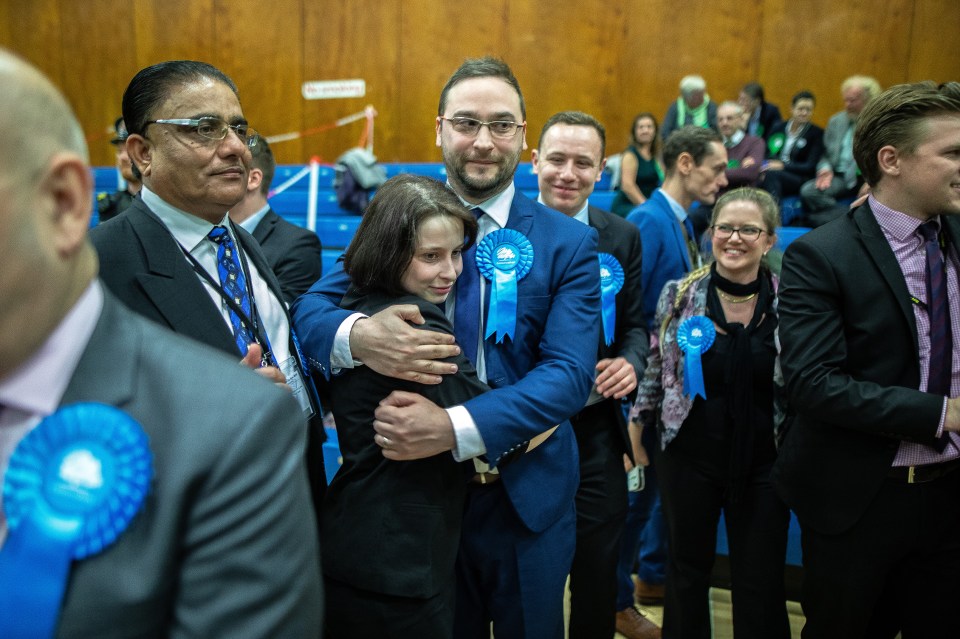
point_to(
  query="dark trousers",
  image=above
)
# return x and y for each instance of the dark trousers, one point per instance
(507, 574)
(781, 184)
(352, 613)
(601, 512)
(756, 524)
(897, 569)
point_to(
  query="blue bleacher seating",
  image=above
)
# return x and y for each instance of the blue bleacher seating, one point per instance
(435, 170)
(790, 210)
(105, 178)
(787, 234)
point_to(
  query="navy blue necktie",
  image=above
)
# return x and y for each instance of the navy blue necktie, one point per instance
(466, 314)
(938, 312)
(234, 284)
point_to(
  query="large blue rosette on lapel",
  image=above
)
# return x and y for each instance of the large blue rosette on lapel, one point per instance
(694, 337)
(611, 282)
(73, 485)
(504, 257)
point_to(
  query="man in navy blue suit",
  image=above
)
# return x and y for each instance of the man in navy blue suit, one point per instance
(520, 525)
(695, 163)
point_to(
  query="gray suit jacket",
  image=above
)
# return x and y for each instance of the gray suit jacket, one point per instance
(225, 545)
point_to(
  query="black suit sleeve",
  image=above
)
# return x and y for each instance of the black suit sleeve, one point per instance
(807, 166)
(299, 266)
(632, 339)
(837, 372)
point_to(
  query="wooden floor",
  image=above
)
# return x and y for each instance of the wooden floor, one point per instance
(723, 615)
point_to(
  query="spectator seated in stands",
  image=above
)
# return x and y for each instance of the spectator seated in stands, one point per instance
(793, 150)
(761, 116)
(837, 174)
(641, 169)
(693, 106)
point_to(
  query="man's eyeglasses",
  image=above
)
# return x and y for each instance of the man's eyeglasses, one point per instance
(747, 233)
(214, 129)
(504, 129)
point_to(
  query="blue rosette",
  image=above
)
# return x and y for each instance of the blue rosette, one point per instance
(73, 485)
(611, 282)
(504, 257)
(694, 337)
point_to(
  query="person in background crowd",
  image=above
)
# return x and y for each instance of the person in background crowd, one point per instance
(794, 148)
(641, 167)
(838, 176)
(692, 108)
(293, 253)
(761, 116)
(109, 205)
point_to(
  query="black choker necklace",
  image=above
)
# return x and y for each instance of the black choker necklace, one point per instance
(733, 288)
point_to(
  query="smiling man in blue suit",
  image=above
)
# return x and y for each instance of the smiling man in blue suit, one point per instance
(519, 528)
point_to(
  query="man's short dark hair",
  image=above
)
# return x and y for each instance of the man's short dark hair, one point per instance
(896, 118)
(386, 239)
(486, 67)
(575, 118)
(754, 90)
(690, 139)
(152, 85)
(263, 160)
(803, 95)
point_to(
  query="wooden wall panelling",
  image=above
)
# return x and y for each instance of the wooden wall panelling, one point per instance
(567, 58)
(176, 30)
(667, 40)
(103, 31)
(435, 38)
(933, 50)
(261, 45)
(31, 29)
(353, 40)
(816, 44)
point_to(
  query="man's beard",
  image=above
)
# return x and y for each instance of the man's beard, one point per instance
(475, 188)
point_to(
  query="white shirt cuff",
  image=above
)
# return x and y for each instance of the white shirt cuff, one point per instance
(340, 357)
(469, 442)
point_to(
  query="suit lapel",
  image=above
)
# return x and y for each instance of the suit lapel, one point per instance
(172, 285)
(106, 373)
(878, 248)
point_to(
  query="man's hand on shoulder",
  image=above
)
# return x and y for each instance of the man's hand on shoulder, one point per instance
(389, 345)
(410, 426)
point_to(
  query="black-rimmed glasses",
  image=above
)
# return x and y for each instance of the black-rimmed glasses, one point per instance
(214, 129)
(498, 128)
(747, 233)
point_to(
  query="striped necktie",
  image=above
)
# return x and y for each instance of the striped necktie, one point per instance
(234, 284)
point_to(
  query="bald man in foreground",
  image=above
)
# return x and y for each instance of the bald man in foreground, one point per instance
(214, 535)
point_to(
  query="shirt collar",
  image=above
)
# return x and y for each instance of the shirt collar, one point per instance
(897, 224)
(250, 224)
(678, 210)
(37, 386)
(734, 139)
(497, 207)
(189, 230)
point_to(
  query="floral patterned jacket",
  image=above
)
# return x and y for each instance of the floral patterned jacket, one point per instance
(660, 393)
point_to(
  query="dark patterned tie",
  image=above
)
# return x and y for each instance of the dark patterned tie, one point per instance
(938, 311)
(466, 314)
(234, 284)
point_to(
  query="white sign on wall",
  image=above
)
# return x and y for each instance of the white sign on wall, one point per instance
(326, 89)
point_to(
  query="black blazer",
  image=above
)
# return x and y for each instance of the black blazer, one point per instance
(851, 362)
(805, 153)
(292, 252)
(393, 526)
(621, 239)
(142, 265)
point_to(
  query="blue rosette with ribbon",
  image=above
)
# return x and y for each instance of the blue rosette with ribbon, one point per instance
(694, 337)
(72, 487)
(504, 257)
(611, 282)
